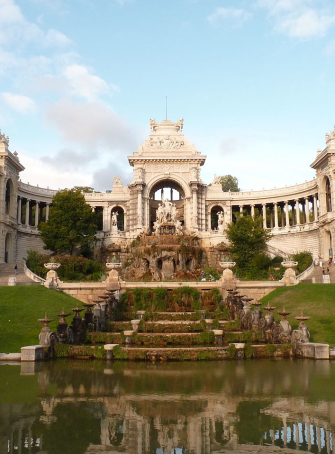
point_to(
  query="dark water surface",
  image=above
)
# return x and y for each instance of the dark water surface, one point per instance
(79, 407)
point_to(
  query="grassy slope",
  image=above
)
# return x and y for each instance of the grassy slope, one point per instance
(315, 300)
(21, 306)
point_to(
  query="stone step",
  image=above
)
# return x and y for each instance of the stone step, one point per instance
(7, 271)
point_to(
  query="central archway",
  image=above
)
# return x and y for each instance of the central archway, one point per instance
(173, 192)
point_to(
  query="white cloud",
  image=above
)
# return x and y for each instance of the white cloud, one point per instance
(39, 172)
(236, 17)
(55, 38)
(92, 124)
(85, 84)
(299, 18)
(19, 103)
(14, 27)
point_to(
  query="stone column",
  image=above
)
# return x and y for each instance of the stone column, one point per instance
(37, 206)
(195, 206)
(276, 215)
(47, 208)
(27, 213)
(253, 211)
(264, 216)
(287, 220)
(307, 210)
(297, 210)
(209, 221)
(19, 210)
(241, 210)
(139, 207)
(282, 215)
(105, 219)
(315, 208)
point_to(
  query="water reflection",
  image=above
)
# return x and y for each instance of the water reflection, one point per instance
(80, 407)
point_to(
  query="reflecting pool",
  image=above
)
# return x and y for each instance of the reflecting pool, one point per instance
(80, 407)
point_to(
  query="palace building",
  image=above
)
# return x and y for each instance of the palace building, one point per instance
(168, 196)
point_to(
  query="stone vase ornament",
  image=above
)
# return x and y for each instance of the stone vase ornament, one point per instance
(289, 277)
(227, 277)
(113, 276)
(52, 276)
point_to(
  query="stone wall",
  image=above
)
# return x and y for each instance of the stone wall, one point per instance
(291, 243)
(26, 241)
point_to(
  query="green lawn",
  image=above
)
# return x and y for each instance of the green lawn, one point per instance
(315, 300)
(21, 307)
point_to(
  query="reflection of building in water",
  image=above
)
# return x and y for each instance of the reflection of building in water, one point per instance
(304, 426)
(142, 409)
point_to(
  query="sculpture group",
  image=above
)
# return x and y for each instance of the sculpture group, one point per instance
(166, 215)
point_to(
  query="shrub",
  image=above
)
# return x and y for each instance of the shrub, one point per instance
(304, 260)
(72, 268)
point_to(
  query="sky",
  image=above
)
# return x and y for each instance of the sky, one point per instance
(252, 79)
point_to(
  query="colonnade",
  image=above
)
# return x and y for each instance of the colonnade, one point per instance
(287, 213)
(32, 211)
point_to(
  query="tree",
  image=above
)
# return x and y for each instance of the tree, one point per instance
(248, 242)
(84, 188)
(229, 183)
(71, 223)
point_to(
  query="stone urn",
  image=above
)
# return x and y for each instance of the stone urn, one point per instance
(51, 280)
(128, 335)
(113, 276)
(289, 275)
(209, 323)
(113, 265)
(134, 324)
(52, 265)
(227, 274)
(227, 265)
(289, 264)
(140, 314)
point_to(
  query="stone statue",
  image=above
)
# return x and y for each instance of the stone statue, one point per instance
(167, 214)
(117, 181)
(220, 221)
(114, 218)
(216, 180)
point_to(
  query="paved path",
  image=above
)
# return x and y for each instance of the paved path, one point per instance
(7, 271)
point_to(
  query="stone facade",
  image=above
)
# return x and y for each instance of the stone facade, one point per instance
(168, 167)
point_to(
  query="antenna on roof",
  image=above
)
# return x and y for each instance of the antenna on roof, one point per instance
(165, 107)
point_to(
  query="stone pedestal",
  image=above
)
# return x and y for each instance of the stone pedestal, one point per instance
(109, 350)
(227, 279)
(312, 350)
(32, 353)
(11, 281)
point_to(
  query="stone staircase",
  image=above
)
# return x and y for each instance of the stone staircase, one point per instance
(7, 271)
(318, 276)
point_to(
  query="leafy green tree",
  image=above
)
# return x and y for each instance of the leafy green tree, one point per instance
(83, 188)
(229, 183)
(71, 224)
(248, 243)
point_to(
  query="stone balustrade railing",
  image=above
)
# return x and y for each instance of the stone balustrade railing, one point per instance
(28, 189)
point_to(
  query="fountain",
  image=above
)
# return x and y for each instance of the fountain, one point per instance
(62, 328)
(46, 337)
